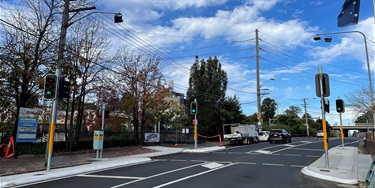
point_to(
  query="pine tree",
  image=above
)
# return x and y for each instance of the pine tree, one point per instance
(207, 84)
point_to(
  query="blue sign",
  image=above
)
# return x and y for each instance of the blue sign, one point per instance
(27, 125)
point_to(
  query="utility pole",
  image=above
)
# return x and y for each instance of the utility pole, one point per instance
(307, 123)
(62, 40)
(60, 58)
(259, 116)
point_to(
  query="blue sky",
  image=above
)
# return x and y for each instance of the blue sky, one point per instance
(178, 30)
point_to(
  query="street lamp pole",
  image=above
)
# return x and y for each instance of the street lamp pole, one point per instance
(368, 65)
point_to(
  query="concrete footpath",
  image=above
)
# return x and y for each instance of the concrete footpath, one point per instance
(345, 165)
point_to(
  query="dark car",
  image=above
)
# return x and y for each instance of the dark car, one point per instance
(277, 135)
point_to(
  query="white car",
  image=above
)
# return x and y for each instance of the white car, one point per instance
(263, 136)
(319, 133)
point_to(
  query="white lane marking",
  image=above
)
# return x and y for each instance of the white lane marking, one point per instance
(114, 177)
(160, 174)
(307, 149)
(289, 145)
(188, 177)
(262, 151)
(199, 161)
(270, 164)
(161, 160)
(312, 156)
(235, 152)
(178, 160)
(212, 165)
(307, 142)
(297, 166)
(247, 163)
(293, 155)
(220, 152)
(222, 162)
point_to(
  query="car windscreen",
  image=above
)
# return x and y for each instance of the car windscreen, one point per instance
(275, 132)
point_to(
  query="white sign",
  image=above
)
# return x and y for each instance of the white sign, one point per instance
(152, 137)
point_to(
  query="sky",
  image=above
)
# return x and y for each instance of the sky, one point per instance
(179, 30)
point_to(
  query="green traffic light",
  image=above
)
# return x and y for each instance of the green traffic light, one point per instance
(193, 110)
(49, 93)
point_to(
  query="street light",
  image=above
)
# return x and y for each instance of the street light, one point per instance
(329, 39)
(259, 116)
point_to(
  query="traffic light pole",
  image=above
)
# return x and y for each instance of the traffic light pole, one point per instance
(103, 117)
(195, 129)
(62, 40)
(323, 117)
(341, 131)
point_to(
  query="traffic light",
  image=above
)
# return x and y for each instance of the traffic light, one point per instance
(106, 114)
(340, 106)
(193, 108)
(64, 88)
(326, 105)
(325, 85)
(50, 86)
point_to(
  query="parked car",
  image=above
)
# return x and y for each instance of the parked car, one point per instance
(263, 136)
(319, 133)
(277, 135)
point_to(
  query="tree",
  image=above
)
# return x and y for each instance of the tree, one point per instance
(207, 84)
(268, 109)
(143, 89)
(27, 34)
(293, 111)
(87, 44)
(360, 102)
(231, 111)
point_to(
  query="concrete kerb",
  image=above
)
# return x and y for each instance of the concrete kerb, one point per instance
(96, 165)
(44, 176)
(342, 166)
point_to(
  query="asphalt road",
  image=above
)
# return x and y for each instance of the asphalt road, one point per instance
(254, 165)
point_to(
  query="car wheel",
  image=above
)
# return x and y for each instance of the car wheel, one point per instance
(255, 140)
(290, 139)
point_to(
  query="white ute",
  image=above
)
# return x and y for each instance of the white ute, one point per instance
(240, 134)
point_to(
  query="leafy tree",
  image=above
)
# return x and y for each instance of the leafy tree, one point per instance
(231, 111)
(268, 109)
(25, 52)
(208, 84)
(143, 89)
(293, 111)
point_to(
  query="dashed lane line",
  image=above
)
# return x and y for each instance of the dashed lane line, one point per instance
(271, 164)
(113, 177)
(315, 156)
(178, 160)
(297, 166)
(235, 153)
(293, 155)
